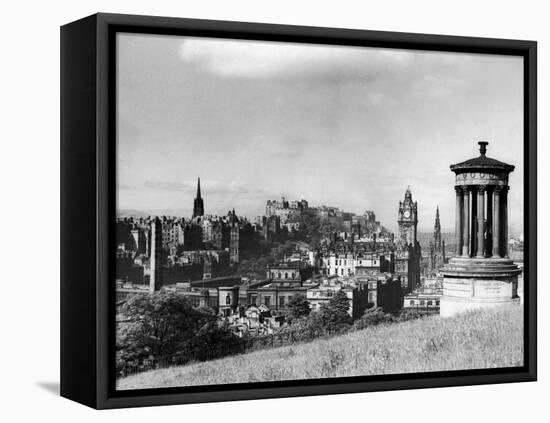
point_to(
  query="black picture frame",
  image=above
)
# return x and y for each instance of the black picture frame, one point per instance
(88, 209)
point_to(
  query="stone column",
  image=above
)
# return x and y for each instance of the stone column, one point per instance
(458, 219)
(489, 222)
(496, 222)
(480, 221)
(466, 222)
(504, 223)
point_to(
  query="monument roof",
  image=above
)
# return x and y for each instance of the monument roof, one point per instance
(482, 162)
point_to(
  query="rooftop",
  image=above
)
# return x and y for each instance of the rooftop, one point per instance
(482, 162)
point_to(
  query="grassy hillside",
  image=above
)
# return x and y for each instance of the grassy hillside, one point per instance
(481, 339)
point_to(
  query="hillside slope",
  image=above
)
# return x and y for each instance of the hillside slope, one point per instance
(481, 339)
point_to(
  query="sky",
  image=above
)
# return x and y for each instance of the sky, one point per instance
(343, 126)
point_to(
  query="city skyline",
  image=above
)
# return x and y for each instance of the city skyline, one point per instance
(340, 126)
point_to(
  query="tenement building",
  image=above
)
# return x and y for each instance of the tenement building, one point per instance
(481, 274)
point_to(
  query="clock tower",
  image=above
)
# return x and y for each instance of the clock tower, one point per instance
(407, 220)
(408, 252)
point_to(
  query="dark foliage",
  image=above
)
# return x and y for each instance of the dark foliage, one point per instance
(212, 341)
(155, 326)
(335, 312)
(299, 307)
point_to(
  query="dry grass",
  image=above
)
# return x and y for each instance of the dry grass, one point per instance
(481, 339)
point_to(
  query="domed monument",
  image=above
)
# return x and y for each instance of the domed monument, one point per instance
(481, 274)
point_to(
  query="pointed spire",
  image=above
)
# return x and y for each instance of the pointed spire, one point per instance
(199, 187)
(198, 204)
(408, 194)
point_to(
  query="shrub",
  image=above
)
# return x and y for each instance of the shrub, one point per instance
(372, 317)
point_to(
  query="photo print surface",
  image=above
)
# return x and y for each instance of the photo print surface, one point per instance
(292, 211)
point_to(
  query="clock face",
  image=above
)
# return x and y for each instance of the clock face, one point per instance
(407, 213)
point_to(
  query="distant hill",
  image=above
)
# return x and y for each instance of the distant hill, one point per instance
(132, 213)
(424, 239)
(478, 340)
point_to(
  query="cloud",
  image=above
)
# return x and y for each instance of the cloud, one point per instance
(265, 59)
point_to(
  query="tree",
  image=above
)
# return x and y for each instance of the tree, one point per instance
(212, 341)
(335, 312)
(255, 267)
(159, 322)
(299, 306)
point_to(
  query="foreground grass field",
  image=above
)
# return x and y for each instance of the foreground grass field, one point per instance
(481, 339)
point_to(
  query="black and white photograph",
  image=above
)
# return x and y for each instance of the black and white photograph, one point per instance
(293, 211)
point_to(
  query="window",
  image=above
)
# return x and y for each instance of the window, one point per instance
(279, 275)
(422, 302)
(282, 301)
(228, 300)
(437, 302)
(411, 302)
(267, 300)
(430, 303)
(286, 275)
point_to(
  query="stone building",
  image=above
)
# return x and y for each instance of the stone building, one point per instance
(285, 210)
(322, 293)
(426, 300)
(172, 234)
(408, 252)
(155, 260)
(289, 273)
(437, 246)
(198, 204)
(364, 263)
(481, 274)
(284, 281)
(233, 223)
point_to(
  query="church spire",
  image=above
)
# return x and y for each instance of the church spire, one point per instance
(198, 204)
(437, 230)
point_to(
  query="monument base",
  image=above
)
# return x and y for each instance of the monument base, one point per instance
(474, 283)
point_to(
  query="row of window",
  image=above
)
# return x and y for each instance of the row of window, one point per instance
(424, 302)
(342, 272)
(267, 300)
(279, 275)
(344, 262)
(322, 294)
